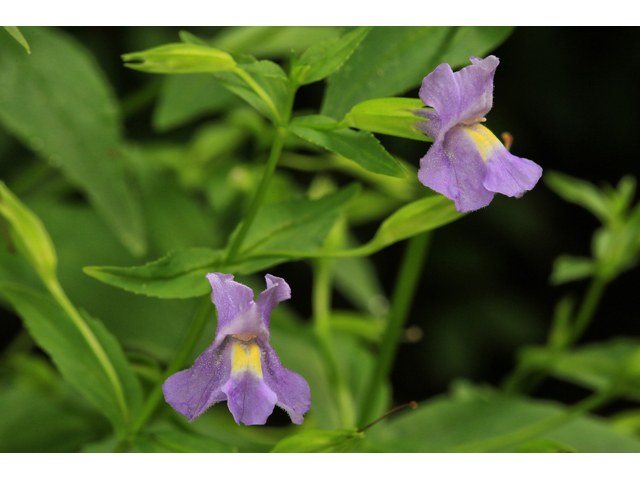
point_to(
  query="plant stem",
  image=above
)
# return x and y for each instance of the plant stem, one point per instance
(406, 284)
(588, 308)
(276, 149)
(532, 430)
(322, 328)
(186, 347)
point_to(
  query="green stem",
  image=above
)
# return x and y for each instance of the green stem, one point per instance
(276, 149)
(58, 293)
(186, 347)
(535, 429)
(406, 284)
(322, 329)
(588, 308)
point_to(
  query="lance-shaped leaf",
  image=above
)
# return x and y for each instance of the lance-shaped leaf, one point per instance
(58, 103)
(390, 116)
(15, 33)
(323, 59)
(28, 234)
(87, 355)
(180, 58)
(359, 146)
(179, 274)
(392, 60)
(567, 268)
(320, 441)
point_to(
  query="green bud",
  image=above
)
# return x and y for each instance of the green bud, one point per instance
(180, 58)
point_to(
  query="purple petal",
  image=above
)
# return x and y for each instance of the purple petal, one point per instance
(250, 400)
(192, 391)
(294, 395)
(230, 297)
(460, 96)
(506, 173)
(432, 127)
(277, 291)
(454, 167)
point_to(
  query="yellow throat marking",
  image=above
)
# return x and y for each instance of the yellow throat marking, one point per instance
(245, 356)
(484, 139)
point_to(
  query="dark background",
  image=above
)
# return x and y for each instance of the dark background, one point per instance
(570, 98)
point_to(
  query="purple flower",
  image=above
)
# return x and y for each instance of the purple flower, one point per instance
(240, 366)
(466, 162)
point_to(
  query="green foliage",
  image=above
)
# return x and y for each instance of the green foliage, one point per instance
(361, 147)
(544, 445)
(28, 234)
(69, 118)
(180, 58)
(392, 60)
(87, 355)
(321, 60)
(15, 33)
(470, 415)
(320, 441)
(391, 116)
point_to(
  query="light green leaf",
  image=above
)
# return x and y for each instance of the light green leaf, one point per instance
(28, 234)
(15, 33)
(69, 117)
(323, 59)
(358, 324)
(567, 268)
(392, 60)
(179, 274)
(544, 445)
(184, 98)
(390, 116)
(117, 398)
(581, 193)
(320, 441)
(180, 58)
(297, 225)
(266, 68)
(457, 421)
(420, 216)
(359, 146)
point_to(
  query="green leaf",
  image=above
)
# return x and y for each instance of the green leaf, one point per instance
(474, 414)
(323, 59)
(358, 324)
(297, 225)
(416, 217)
(596, 366)
(390, 116)
(188, 442)
(359, 146)
(78, 361)
(567, 268)
(69, 117)
(316, 441)
(180, 58)
(184, 98)
(581, 193)
(544, 445)
(392, 60)
(15, 33)
(266, 68)
(33, 422)
(28, 234)
(179, 274)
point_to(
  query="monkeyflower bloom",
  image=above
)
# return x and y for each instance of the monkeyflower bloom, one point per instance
(240, 366)
(466, 162)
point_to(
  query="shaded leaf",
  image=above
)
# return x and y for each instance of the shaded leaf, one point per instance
(580, 192)
(392, 60)
(68, 116)
(567, 268)
(79, 362)
(544, 445)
